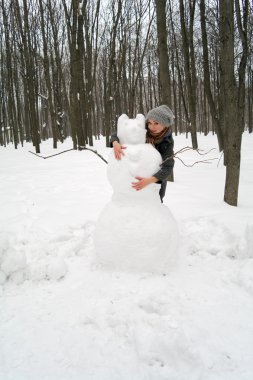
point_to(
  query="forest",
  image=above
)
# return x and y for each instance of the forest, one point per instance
(70, 68)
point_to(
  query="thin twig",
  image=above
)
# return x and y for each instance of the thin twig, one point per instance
(222, 153)
(197, 162)
(185, 149)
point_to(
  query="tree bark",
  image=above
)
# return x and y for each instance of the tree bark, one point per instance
(162, 36)
(29, 72)
(207, 80)
(232, 96)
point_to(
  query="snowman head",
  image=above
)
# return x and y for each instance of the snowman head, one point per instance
(131, 131)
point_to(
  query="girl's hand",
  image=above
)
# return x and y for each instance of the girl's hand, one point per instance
(118, 150)
(143, 182)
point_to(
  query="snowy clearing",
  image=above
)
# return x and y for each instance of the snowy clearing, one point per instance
(62, 317)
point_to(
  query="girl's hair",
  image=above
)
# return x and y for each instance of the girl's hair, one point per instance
(156, 138)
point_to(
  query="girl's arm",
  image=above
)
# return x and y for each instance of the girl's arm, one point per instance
(143, 182)
(117, 147)
(113, 138)
(167, 153)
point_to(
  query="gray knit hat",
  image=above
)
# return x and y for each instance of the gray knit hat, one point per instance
(162, 115)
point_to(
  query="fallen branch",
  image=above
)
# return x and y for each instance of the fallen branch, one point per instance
(56, 154)
(68, 150)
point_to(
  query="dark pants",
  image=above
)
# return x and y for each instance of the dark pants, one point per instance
(162, 191)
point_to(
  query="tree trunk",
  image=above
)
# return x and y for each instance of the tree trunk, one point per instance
(12, 119)
(207, 80)
(50, 105)
(29, 73)
(232, 97)
(162, 36)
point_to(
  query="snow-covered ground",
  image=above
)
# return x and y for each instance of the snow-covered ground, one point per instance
(62, 317)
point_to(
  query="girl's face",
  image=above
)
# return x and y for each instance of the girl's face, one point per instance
(155, 127)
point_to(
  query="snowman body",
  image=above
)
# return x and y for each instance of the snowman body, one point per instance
(135, 232)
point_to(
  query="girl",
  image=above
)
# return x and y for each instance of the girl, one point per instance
(158, 124)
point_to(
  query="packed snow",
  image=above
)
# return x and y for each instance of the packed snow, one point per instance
(65, 317)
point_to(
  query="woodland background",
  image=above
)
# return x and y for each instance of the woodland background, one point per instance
(70, 68)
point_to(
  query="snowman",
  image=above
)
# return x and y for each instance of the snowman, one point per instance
(135, 232)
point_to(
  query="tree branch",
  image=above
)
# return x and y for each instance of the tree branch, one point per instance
(199, 151)
(79, 148)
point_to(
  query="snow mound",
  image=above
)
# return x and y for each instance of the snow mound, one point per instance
(245, 244)
(249, 240)
(245, 276)
(37, 270)
(209, 236)
(52, 269)
(22, 259)
(56, 269)
(12, 262)
(171, 355)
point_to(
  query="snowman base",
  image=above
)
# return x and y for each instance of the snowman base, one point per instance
(144, 237)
